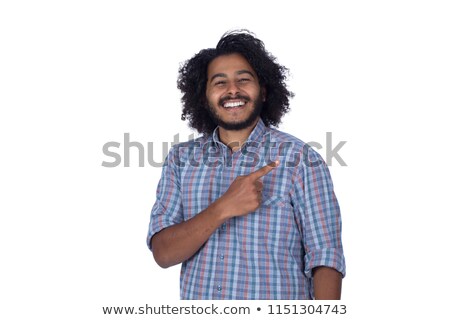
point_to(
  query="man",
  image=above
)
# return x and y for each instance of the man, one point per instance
(249, 211)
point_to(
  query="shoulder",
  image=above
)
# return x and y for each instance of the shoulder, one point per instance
(286, 142)
(279, 137)
(292, 151)
(184, 150)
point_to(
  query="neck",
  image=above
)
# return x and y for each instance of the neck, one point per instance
(234, 139)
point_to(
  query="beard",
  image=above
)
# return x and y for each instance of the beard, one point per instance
(234, 126)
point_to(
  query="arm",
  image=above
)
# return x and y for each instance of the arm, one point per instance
(327, 283)
(321, 223)
(179, 242)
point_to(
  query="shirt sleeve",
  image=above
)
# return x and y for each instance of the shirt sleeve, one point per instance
(167, 209)
(319, 215)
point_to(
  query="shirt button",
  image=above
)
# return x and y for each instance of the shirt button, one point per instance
(219, 288)
(222, 256)
(224, 226)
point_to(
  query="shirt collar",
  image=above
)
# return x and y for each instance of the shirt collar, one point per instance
(256, 134)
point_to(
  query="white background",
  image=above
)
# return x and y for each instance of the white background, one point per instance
(77, 74)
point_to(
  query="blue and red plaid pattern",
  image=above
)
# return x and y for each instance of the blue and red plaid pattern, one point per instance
(267, 254)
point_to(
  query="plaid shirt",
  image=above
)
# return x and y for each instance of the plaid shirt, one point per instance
(266, 254)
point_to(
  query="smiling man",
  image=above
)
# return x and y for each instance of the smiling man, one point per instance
(248, 210)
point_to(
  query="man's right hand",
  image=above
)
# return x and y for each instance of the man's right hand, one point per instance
(245, 193)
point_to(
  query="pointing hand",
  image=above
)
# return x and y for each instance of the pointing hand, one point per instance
(245, 193)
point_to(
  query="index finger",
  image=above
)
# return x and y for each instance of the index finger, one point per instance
(261, 172)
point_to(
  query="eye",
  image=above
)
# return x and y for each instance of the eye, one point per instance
(244, 80)
(220, 83)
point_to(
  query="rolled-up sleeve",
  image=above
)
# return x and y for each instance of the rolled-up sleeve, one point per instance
(167, 209)
(319, 215)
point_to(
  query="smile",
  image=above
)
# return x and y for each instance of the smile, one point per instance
(233, 104)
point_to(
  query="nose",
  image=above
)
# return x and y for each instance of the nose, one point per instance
(233, 89)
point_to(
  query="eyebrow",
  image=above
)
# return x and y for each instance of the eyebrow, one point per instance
(246, 72)
(218, 75)
(223, 75)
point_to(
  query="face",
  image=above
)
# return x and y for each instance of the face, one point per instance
(233, 92)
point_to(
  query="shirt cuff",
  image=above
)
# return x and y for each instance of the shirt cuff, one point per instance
(155, 227)
(327, 257)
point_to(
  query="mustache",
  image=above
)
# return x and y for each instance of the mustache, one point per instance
(238, 96)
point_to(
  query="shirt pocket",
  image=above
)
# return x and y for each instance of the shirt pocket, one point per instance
(273, 228)
(277, 211)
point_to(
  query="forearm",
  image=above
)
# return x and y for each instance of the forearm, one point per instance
(327, 283)
(179, 242)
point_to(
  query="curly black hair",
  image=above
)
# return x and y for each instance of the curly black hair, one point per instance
(192, 79)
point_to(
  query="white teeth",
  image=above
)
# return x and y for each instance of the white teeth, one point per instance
(233, 104)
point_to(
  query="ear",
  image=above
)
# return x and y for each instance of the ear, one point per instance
(263, 94)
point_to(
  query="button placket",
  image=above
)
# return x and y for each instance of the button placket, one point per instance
(222, 182)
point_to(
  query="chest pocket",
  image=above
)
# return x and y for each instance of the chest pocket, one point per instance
(271, 230)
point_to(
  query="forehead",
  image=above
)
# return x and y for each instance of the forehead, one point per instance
(229, 64)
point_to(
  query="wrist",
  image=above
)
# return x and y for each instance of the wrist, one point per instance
(220, 210)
